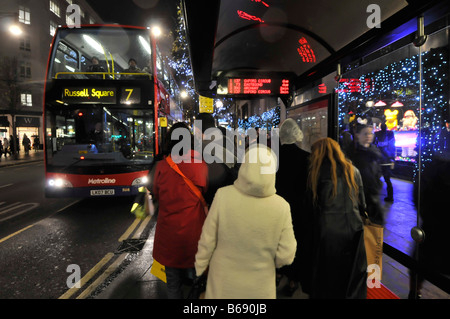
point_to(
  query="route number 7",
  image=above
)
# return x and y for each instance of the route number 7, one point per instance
(130, 91)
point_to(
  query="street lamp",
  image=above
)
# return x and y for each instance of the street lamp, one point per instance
(156, 31)
(10, 24)
(15, 30)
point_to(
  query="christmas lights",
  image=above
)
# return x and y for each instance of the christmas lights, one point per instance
(179, 61)
(399, 81)
(266, 121)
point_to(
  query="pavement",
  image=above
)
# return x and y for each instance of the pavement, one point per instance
(134, 281)
(22, 158)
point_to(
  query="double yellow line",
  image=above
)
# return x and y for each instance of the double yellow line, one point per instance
(99, 266)
(16, 233)
(28, 227)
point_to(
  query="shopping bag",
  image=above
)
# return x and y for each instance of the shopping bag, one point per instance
(373, 241)
(159, 271)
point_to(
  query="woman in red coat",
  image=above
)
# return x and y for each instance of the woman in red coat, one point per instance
(181, 213)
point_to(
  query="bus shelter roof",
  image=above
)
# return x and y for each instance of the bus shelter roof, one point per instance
(306, 39)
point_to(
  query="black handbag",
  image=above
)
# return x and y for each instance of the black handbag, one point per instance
(198, 287)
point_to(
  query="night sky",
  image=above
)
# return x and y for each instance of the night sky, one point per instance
(137, 12)
(146, 13)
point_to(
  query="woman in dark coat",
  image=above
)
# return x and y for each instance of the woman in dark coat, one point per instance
(290, 184)
(385, 141)
(335, 199)
(367, 157)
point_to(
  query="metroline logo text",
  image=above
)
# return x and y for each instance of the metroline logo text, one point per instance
(101, 181)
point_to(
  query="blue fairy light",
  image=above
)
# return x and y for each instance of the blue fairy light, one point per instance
(397, 79)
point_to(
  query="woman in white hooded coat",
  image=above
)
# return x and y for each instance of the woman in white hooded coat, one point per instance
(248, 233)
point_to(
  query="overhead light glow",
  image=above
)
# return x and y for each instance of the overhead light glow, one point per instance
(145, 45)
(94, 44)
(156, 31)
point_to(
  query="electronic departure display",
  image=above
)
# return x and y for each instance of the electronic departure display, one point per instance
(257, 86)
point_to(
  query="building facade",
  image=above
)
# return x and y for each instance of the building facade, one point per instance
(26, 32)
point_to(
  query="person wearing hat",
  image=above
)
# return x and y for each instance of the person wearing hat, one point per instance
(291, 181)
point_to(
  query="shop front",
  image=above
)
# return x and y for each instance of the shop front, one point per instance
(401, 82)
(391, 90)
(405, 86)
(4, 127)
(29, 126)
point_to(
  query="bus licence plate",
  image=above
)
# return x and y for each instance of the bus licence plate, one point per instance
(101, 192)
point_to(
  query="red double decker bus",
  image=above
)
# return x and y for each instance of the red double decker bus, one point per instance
(104, 87)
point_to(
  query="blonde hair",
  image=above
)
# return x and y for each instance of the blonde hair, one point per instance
(330, 149)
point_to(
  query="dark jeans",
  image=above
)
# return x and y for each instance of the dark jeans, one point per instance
(387, 174)
(175, 279)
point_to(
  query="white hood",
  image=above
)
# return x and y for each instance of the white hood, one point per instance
(290, 132)
(257, 174)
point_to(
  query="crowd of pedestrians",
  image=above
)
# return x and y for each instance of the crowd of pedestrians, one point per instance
(276, 213)
(9, 148)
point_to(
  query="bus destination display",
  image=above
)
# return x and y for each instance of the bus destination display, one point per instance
(89, 95)
(258, 86)
(128, 95)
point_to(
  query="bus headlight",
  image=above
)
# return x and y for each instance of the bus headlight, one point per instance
(59, 183)
(140, 181)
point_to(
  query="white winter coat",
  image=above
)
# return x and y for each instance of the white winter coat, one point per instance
(247, 234)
